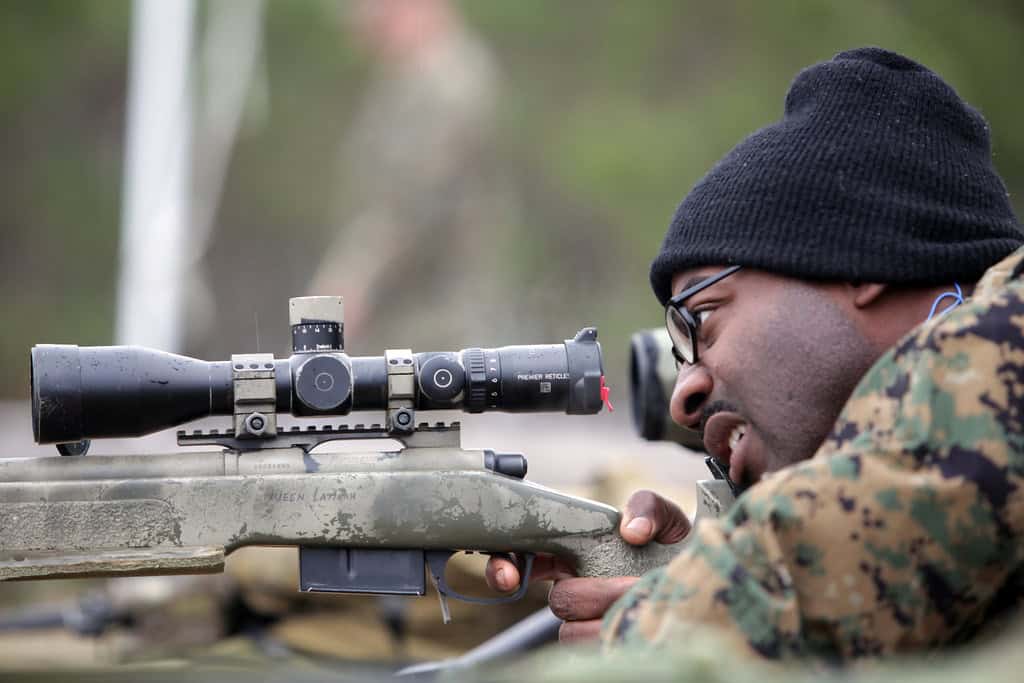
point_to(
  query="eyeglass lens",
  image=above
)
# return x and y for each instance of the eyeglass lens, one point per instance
(680, 330)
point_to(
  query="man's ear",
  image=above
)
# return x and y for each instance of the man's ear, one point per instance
(863, 294)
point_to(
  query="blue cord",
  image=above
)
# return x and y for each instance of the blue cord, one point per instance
(958, 298)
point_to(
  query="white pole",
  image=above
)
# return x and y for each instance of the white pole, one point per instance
(155, 208)
(229, 60)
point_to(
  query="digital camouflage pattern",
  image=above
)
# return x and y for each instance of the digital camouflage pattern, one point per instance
(706, 658)
(903, 533)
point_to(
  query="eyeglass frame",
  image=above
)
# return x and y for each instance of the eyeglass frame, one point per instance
(675, 305)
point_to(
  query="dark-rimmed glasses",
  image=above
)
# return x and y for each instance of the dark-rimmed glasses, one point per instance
(683, 326)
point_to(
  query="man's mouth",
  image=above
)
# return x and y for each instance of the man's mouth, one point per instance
(723, 437)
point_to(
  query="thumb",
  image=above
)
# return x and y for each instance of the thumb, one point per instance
(649, 517)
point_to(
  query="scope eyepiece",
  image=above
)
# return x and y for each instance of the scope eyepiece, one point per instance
(120, 391)
(536, 378)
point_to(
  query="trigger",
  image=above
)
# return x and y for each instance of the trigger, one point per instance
(446, 614)
(436, 561)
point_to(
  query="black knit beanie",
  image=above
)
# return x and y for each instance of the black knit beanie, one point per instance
(877, 172)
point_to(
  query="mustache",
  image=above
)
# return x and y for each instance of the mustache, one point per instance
(713, 408)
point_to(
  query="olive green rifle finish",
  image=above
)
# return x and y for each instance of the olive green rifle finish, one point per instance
(183, 512)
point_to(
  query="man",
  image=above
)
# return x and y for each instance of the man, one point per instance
(420, 192)
(857, 223)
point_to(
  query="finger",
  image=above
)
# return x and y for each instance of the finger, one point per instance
(502, 574)
(579, 631)
(649, 517)
(551, 568)
(582, 599)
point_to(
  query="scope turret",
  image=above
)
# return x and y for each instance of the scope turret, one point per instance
(121, 391)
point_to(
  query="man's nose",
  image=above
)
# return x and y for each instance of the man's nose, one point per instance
(693, 387)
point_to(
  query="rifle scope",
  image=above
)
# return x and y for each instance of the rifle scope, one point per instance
(120, 391)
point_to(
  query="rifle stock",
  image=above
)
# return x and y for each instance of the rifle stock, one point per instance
(180, 513)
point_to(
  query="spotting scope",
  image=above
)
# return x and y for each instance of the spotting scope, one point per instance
(83, 393)
(652, 376)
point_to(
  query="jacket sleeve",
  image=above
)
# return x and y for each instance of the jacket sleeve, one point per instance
(902, 533)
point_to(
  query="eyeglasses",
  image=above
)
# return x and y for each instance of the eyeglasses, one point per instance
(682, 325)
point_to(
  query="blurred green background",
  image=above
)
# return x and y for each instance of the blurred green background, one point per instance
(609, 112)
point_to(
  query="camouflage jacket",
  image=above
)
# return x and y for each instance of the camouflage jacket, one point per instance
(905, 532)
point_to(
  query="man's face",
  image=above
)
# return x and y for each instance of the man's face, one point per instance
(778, 358)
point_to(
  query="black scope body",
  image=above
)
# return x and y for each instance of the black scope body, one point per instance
(123, 391)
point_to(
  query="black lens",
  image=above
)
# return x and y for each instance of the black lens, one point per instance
(647, 396)
(652, 377)
(679, 330)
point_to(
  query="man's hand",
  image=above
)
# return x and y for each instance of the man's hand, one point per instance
(582, 602)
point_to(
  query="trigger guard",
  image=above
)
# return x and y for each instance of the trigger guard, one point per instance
(437, 560)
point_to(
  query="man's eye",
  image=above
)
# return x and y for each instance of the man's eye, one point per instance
(702, 331)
